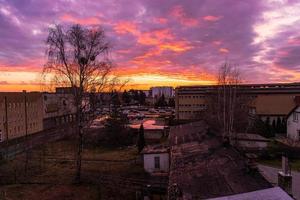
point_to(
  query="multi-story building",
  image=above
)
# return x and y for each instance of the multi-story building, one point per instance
(267, 100)
(157, 92)
(20, 114)
(42, 111)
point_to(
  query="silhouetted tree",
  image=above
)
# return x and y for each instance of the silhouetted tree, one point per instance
(141, 139)
(278, 125)
(142, 98)
(273, 128)
(77, 58)
(126, 97)
(171, 102)
(161, 102)
(269, 132)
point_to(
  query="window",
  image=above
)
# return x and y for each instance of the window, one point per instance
(156, 162)
(0, 135)
(295, 117)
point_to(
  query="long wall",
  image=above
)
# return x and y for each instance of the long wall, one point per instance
(272, 100)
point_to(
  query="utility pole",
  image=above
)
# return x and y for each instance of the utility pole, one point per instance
(26, 131)
(6, 124)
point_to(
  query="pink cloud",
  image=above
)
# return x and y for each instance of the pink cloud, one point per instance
(179, 13)
(211, 18)
(82, 21)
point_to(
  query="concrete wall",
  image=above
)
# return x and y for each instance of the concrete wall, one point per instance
(293, 126)
(149, 162)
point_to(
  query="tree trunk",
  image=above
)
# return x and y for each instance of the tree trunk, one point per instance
(79, 154)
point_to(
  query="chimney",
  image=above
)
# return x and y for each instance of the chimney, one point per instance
(285, 176)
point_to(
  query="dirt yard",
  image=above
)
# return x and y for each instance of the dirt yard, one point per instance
(107, 173)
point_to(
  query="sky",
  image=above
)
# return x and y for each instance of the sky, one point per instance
(159, 42)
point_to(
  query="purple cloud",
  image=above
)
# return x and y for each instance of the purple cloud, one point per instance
(189, 38)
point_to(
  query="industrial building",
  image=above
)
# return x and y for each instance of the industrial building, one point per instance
(267, 100)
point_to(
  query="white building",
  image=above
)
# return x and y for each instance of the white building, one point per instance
(293, 124)
(157, 92)
(156, 159)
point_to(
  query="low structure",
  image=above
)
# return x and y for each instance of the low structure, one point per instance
(156, 159)
(293, 124)
(249, 142)
(153, 131)
(201, 167)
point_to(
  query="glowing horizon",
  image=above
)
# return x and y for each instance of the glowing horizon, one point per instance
(159, 43)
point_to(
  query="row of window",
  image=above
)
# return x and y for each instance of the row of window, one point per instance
(189, 111)
(191, 97)
(193, 105)
(18, 105)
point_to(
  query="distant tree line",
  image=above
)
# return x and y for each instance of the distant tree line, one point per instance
(162, 102)
(133, 97)
(267, 128)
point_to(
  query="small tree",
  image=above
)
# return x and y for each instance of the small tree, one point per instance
(171, 102)
(141, 139)
(278, 125)
(142, 98)
(161, 102)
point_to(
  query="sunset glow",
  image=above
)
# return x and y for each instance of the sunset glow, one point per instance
(157, 43)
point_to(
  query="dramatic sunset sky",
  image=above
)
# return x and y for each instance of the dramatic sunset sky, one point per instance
(159, 42)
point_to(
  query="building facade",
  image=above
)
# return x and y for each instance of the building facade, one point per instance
(293, 124)
(157, 92)
(156, 159)
(20, 114)
(267, 100)
(58, 109)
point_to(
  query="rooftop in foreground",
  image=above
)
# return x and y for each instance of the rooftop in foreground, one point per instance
(266, 194)
(202, 168)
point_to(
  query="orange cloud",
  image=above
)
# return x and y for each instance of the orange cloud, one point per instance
(211, 18)
(177, 46)
(223, 50)
(126, 27)
(82, 21)
(179, 13)
(155, 37)
(164, 40)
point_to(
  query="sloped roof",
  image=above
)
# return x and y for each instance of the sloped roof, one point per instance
(201, 167)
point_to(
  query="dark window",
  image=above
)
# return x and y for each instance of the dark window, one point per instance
(295, 117)
(156, 162)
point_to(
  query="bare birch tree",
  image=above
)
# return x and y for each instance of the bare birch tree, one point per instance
(227, 102)
(78, 58)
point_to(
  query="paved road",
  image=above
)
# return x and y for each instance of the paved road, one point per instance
(270, 173)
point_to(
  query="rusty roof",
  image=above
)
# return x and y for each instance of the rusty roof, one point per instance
(201, 167)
